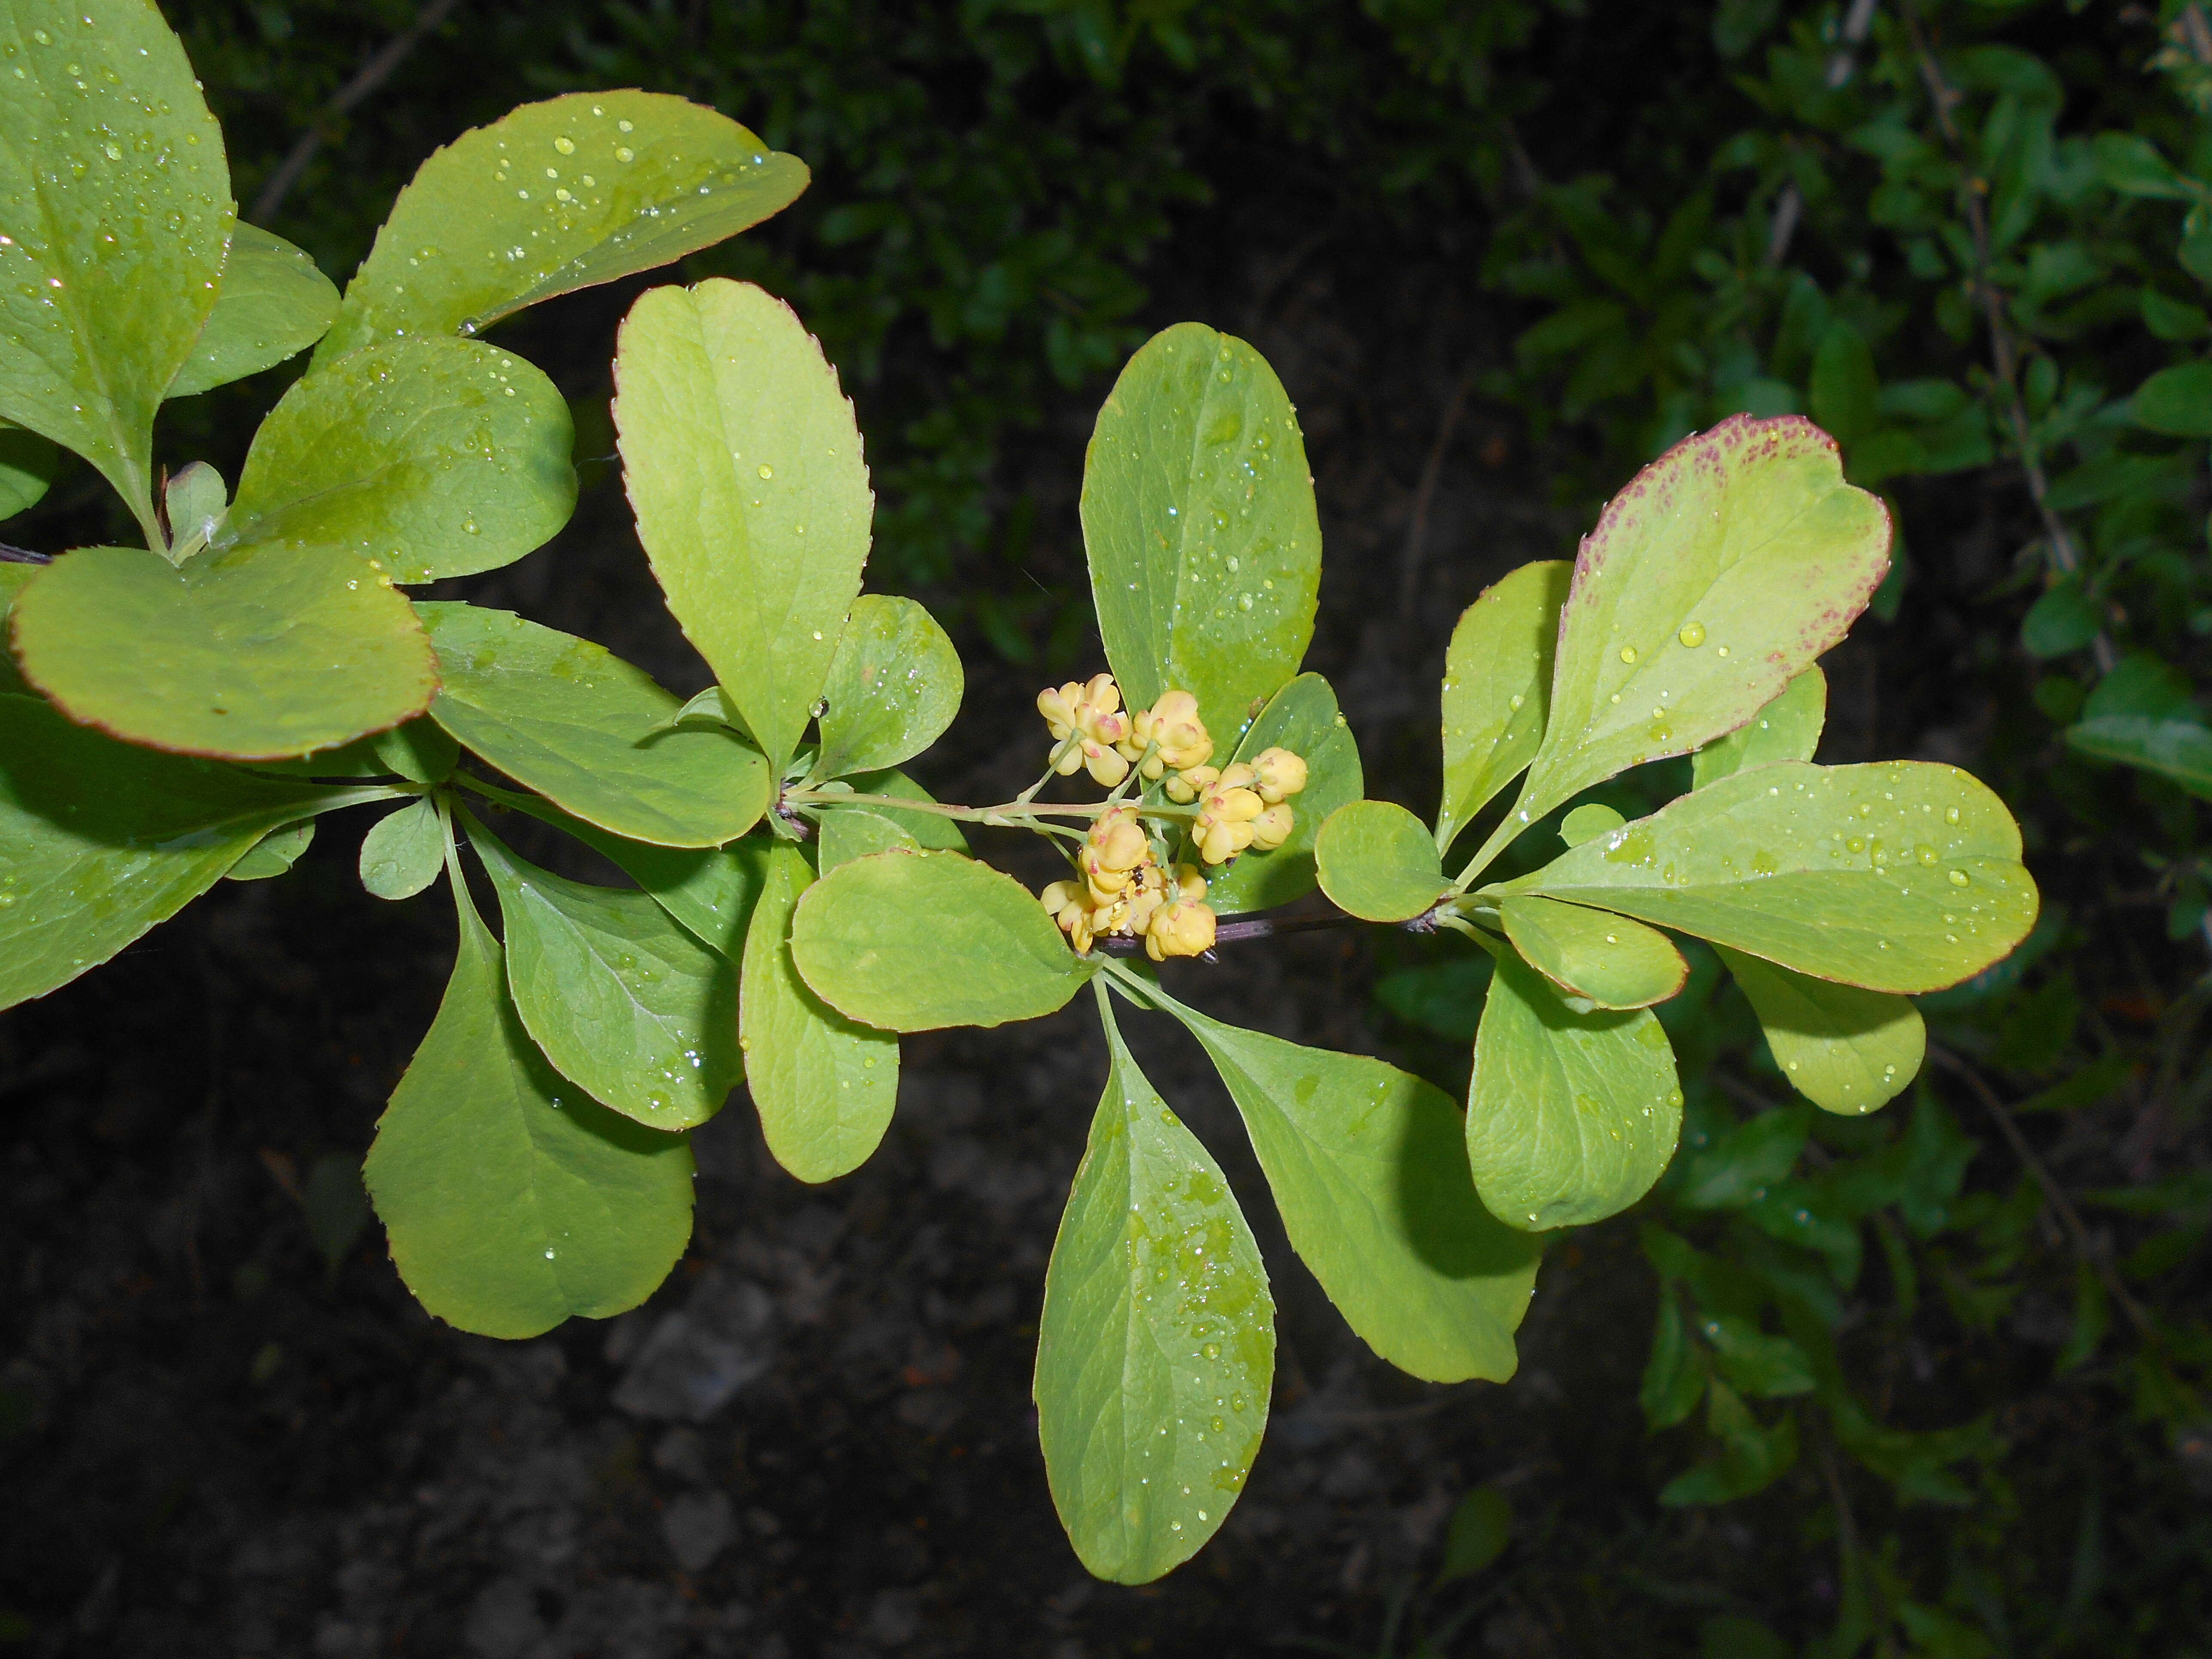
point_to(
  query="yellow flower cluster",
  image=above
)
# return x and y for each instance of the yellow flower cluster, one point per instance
(1124, 891)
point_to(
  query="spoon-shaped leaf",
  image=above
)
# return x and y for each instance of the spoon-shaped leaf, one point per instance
(1302, 718)
(742, 461)
(434, 458)
(404, 851)
(824, 1085)
(1899, 876)
(1368, 1166)
(1787, 729)
(916, 941)
(100, 841)
(1608, 961)
(27, 468)
(894, 686)
(1569, 1117)
(273, 304)
(512, 1200)
(1723, 570)
(255, 654)
(1844, 1049)
(114, 206)
(1198, 514)
(587, 730)
(621, 999)
(1378, 861)
(556, 195)
(1156, 1317)
(1497, 684)
(274, 853)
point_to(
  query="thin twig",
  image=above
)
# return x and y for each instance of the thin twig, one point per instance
(22, 555)
(2084, 1248)
(372, 75)
(1409, 567)
(2004, 354)
(1843, 64)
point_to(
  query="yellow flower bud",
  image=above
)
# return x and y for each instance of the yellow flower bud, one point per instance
(1277, 773)
(1146, 893)
(1181, 927)
(1101, 694)
(1058, 707)
(1118, 838)
(1226, 809)
(1185, 786)
(1103, 761)
(1190, 882)
(1271, 828)
(1173, 733)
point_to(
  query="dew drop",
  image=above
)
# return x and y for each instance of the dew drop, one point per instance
(1693, 634)
(766, 471)
(1959, 878)
(566, 146)
(1628, 654)
(1950, 815)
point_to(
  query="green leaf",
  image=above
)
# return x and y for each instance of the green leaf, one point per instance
(554, 196)
(1199, 517)
(273, 304)
(854, 832)
(421, 751)
(433, 457)
(622, 999)
(823, 1085)
(933, 831)
(584, 728)
(1899, 876)
(1302, 718)
(1674, 1375)
(744, 465)
(2132, 166)
(1844, 1049)
(27, 468)
(1607, 961)
(512, 1198)
(1481, 1530)
(256, 654)
(1379, 862)
(1764, 1367)
(194, 501)
(274, 853)
(404, 851)
(1846, 394)
(1738, 1170)
(1571, 1117)
(2178, 749)
(916, 941)
(99, 841)
(1712, 581)
(1497, 684)
(894, 686)
(1787, 729)
(2175, 401)
(116, 206)
(1590, 819)
(2064, 618)
(1369, 1170)
(1751, 1457)
(1157, 1317)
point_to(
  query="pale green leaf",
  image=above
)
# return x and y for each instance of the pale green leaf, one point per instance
(115, 202)
(433, 457)
(1571, 1117)
(585, 729)
(1199, 518)
(744, 465)
(1899, 876)
(27, 468)
(1787, 729)
(1157, 1317)
(1608, 961)
(894, 686)
(824, 1086)
(1368, 1165)
(13, 578)
(2176, 749)
(194, 501)
(915, 941)
(1379, 862)
(260, 652)
(557, 195)
(273, 304)
(422, 751)
(274, 853)
(512, 1198)
(100, 841)
(1590, 819)
(1497, 684)
(1844, 1049)
(1723, 570)
(621, 999)
(854, 832)
(404, 851)
(1481, 1528)
(1302, 718)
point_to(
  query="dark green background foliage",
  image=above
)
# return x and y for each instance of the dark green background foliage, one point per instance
(1931, 1382)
